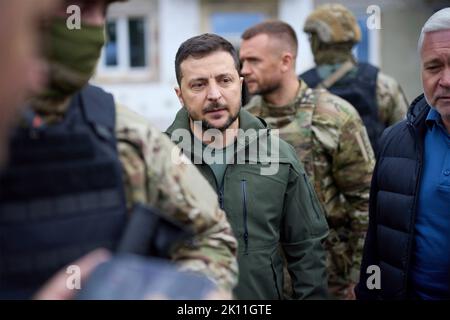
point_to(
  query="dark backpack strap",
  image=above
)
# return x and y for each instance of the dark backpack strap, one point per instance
(367, 74)
(311, 77)
(100, 112)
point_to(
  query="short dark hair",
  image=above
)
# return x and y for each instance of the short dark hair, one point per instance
(276, 28)
(201, 46)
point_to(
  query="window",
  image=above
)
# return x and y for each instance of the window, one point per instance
(136, 36)
(126, 45)
(231, 25)
(130, 52)
(230, 18)
(111, 44)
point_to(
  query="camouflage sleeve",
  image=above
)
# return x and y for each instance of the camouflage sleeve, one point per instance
(391, 100)
(156, 174)
(352, 166)
(352, 169)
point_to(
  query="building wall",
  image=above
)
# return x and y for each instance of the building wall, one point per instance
(394, 48)
(179, 20)
(295, 12)
(156, 100)
(401, 30)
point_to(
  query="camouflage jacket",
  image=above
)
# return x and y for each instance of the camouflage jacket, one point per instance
(392, 103)
(330, 139)
(154, 173)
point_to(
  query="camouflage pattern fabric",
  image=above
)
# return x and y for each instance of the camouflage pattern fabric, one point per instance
(333, 23)
(330, 139)
(330, 53)
(333, 31)
(392, 103)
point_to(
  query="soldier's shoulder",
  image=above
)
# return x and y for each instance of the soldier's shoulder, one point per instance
(254, 105)
(127, 117)
(387, 79)
(129, 120)
(134, 128)
(387, 83)
(332, 108)
(288, 155)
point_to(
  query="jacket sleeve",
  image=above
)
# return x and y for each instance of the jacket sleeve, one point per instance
(392, 103)
(353, 163)
(370, 253)
(155, 173)
(303, 228)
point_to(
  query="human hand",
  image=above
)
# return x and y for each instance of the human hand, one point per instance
(350, 292)
(56, 288)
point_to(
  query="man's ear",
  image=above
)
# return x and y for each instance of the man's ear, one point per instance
(179, 95)
(287, 61)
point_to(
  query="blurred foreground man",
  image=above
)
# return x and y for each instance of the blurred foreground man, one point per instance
(79, 163)
(409, 227)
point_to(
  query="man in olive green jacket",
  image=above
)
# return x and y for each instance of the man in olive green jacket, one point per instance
(265, 193)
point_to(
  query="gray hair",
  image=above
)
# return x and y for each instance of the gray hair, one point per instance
(438, 21)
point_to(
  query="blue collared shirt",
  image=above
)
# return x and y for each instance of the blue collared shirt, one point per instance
(431, 256)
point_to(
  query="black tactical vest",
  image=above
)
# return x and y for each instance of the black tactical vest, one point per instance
(360, 91)
(61, 195)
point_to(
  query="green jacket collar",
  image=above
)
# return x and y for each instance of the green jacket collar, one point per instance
(246, 121)
(251, 129)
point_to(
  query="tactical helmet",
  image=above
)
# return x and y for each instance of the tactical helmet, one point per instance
(333, 23)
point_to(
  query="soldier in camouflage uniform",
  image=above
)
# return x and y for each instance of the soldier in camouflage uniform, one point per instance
(152, 171)
(379, 99)
(328, 136)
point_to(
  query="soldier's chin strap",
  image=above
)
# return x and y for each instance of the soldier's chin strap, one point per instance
(336, 75)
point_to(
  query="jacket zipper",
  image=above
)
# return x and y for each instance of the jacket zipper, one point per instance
(244, 198)
(220, 189)
(221, 202)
